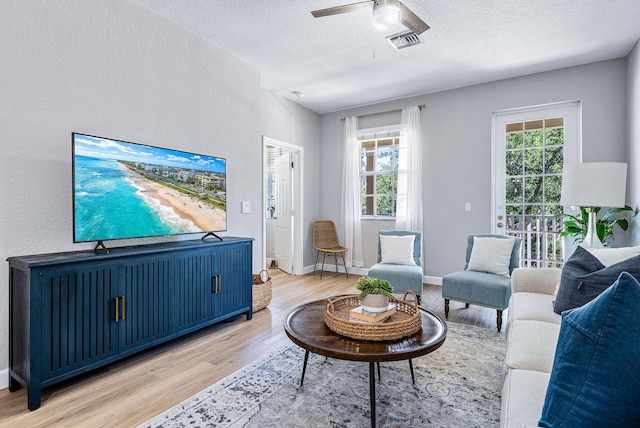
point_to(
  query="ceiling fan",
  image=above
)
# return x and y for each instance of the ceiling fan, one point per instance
(385, 14)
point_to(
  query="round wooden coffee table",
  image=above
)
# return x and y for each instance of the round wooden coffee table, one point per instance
(306, 328)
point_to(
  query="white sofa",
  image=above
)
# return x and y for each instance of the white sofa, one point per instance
(532, 333)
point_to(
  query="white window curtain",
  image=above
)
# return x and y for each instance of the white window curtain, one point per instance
(351, 210)
(409, 205)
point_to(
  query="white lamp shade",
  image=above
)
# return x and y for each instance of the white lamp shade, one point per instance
(594, 184)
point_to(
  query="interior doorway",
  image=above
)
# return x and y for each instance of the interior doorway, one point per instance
(282, 205)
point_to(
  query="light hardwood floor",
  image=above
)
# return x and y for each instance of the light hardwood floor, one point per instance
(129, 392)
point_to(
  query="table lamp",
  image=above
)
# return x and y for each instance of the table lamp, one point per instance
(591, 185)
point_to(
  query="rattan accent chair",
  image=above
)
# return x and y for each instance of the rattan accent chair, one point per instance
(325, 240)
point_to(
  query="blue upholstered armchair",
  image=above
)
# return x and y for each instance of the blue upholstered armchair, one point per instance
(400, 272)
(485, 284)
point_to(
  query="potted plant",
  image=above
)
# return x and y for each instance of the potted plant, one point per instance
(576, 226)
(374, 293)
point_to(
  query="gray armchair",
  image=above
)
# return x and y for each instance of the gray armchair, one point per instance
(402, 277)
(481, 288)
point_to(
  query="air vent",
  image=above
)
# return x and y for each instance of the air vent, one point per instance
(404, 40)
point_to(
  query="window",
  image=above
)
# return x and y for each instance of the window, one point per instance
(270, 155)
(379, 173)
(534, 160)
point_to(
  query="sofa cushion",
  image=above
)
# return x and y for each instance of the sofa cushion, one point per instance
(611, 256)
(584, 277)
(491, 255)
(531, 345)
(596, 371)
(397, 249)
(522, 398)
(532, 306)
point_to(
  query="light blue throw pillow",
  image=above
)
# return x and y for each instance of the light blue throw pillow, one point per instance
(595, 380)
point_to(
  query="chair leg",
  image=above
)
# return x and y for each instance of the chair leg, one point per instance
(419, 299)
(446, 308)
(344, 263)
(315, 266)
(324, 256)
(499, 320)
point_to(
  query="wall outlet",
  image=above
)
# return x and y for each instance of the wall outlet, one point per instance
(467, 207)
(246, 207)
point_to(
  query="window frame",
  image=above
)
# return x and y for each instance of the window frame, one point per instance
(375, 135)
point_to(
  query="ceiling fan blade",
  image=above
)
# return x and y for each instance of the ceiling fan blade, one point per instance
(411, 20)
(342, 9)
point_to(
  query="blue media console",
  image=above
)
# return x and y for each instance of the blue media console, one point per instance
(73, 312)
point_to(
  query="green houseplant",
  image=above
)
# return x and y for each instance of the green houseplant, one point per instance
(576, 226)
(374, 293)
(370, 285)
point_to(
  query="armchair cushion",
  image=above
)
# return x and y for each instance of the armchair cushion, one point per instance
(596, 370)
(491, 255)
(479, 288)
(397, 249)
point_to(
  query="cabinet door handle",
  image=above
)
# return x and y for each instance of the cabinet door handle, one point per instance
(122, 308)
(117, 299)
(215, 283)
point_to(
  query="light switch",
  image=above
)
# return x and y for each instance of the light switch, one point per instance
(246, 207)
(467, 207)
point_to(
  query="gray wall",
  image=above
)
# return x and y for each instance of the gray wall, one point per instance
(115, 69)
(286, 121)
(633, 114)
(456, 128)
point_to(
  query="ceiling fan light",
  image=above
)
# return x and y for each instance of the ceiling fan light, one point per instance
(385, 16)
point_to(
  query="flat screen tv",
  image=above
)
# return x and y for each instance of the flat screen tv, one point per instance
(128, 190)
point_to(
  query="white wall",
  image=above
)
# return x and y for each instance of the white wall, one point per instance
(114, 69)
(633, 114)
(456, 127)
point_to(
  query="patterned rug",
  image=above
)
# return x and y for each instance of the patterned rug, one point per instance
(459, 385)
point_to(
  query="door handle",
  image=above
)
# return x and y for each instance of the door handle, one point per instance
(119, 301)
(215, 284)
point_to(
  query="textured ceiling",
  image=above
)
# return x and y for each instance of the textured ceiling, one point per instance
(341, 61)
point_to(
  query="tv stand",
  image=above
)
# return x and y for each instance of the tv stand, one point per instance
(99, 245)
(73, 312)
(211, 234)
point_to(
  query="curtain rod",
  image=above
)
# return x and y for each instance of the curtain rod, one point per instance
(421, 106)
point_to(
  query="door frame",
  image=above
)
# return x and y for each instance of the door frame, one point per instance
(297, 154)
(572, 154)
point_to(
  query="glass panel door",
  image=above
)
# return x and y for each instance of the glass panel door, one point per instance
(530, 149)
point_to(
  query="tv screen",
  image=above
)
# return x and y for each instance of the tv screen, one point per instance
(129, 190)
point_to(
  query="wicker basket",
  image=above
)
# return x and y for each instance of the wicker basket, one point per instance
(261, 291)
(406, 321)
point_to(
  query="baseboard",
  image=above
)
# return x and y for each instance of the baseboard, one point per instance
(433, 280)
(4, 379)
(332, 268)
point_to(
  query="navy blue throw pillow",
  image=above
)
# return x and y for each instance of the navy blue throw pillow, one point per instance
(596, 371)
(570, 295)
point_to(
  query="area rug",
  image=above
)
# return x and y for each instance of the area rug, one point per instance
(457, 385)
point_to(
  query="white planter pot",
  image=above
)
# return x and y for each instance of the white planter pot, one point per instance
(375, 303)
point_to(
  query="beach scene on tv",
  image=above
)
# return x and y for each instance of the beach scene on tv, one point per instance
(128, 190)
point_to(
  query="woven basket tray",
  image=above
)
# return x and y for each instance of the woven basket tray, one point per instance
(261, 291)
(404, 322)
